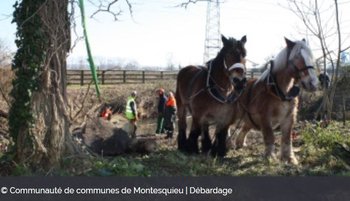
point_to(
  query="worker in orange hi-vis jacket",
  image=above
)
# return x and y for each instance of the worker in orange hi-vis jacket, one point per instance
(170, 115)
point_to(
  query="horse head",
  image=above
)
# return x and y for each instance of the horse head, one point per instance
(301, 60)
(234, 54)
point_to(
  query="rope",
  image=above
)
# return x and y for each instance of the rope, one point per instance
(90, 59)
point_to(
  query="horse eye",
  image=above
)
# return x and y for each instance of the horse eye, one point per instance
(236, 52)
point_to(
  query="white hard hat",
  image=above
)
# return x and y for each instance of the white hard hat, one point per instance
(134, 93)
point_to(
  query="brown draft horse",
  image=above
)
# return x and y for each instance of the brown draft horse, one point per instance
(207, 93)
(270, 102)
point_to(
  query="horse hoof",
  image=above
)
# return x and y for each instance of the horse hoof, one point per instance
(271, 158)
(290, 160)
(182, 149)
(218, 153)
(240, 146)
(193, 151)
(206, 148)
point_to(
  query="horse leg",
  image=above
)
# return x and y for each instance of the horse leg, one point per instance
(287, 153)
(206, 142)
(269, 140)
(241, 138)
(219, 147)
(182, 126)
(192, 142)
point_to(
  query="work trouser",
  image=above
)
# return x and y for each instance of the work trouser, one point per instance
(160, 123)
(170, 125)
(132, 128)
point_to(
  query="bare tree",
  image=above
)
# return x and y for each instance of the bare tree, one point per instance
(38, 118)
(5, 54)
(185, 4)
(108, 7)
(6, 75)
(325, 26)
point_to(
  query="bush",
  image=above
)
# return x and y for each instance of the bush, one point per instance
(324, 150)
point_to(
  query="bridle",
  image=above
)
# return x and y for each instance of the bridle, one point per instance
(299, 71)
(216, 94)
(294, 91)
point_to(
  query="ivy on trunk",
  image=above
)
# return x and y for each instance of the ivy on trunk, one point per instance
(38, 120)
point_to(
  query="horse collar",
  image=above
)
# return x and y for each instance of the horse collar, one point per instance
(214, 89)
(271, 80)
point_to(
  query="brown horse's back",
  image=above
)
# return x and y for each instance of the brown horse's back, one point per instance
(185, 82)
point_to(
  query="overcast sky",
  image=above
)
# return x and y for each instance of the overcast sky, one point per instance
(159, 34)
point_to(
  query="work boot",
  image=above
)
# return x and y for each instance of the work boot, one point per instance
(169, 135)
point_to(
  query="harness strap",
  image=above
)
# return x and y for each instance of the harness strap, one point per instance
(212, 88)
(194, 78)
(271, 80)
(249, 96)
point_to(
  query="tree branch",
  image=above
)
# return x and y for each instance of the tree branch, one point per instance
(4, 96)
(107, 8)
(74, 25)
(4, 114)
(186, 4)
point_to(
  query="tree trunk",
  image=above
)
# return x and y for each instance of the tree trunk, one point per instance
(43, 144)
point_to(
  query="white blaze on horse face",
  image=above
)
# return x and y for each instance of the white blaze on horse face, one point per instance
(310, 82)
(237, 71)
(307, 56)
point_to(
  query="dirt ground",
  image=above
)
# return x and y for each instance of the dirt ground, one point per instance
(84, 108)
(84, 105)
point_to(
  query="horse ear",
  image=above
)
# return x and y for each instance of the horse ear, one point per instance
(290, 44)
(224, 40)
(244, 40)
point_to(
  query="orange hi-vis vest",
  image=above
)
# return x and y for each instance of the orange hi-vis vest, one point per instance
(171, 102)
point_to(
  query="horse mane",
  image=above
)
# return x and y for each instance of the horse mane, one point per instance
(220, 56)
(281, 60)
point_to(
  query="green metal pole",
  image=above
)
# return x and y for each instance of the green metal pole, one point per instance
(90, 59)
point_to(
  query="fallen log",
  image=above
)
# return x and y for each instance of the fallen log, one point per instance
(103, 138)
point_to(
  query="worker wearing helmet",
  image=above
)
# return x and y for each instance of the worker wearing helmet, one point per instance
(170, 115)
(161, 109)
(131, 113)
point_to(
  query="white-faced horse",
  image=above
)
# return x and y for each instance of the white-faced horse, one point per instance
(270, 102)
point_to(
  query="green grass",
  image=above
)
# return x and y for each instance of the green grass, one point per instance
(317, 156)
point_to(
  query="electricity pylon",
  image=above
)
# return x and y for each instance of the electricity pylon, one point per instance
(212, 43)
